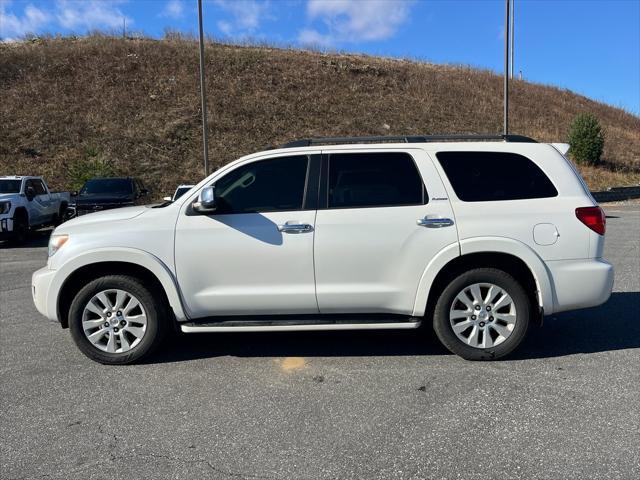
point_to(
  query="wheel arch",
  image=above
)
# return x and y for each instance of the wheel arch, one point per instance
(509, 255)
(76, 273)
(21, 212)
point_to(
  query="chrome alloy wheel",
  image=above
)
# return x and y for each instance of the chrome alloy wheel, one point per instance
(482, 315)
(114, 321)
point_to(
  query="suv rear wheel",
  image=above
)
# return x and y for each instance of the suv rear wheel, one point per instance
(482, 314)
(115, 319)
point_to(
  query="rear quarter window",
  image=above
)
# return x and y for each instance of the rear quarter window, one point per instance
(495, 176)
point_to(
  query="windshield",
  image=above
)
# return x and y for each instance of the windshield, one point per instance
(10, 186)
(113, 186)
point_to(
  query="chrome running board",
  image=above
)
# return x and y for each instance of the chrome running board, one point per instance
(330, 323)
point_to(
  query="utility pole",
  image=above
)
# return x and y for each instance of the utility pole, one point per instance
(203, 94)
(505, 128)
(513, 33)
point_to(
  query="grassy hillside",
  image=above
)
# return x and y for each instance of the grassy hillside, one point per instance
(133, 105)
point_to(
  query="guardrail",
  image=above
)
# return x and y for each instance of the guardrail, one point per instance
(617, 194)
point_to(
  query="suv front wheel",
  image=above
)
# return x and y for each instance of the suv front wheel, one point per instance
(483, 314)
(116, 319)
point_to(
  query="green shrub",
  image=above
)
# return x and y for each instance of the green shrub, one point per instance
(586, 139)
(91, 165)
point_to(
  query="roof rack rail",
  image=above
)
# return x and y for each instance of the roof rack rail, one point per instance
(307, 142)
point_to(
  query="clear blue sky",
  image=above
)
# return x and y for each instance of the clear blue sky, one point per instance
(588, 46)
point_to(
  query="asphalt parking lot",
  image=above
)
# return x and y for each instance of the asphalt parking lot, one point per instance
(327, 406)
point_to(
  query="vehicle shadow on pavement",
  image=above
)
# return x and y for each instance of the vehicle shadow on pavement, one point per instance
(612, 326)
(37, 239)
(299, 344)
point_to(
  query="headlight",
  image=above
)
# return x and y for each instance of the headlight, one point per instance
(56, 242)
(5, 207)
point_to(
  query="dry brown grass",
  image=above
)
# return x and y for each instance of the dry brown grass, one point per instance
(135, 103)
(603, 178)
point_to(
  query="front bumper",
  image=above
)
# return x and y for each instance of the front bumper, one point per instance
(41, 281)
(580, 283)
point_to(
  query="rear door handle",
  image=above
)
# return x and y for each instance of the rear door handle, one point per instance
(295, 228)
(434, 222)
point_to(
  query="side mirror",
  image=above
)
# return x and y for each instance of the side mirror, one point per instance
(206, 202)
(166, 199)
(143, 192)
(30, 193)
(74, 193)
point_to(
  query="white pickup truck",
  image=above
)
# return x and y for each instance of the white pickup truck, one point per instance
(27, 203)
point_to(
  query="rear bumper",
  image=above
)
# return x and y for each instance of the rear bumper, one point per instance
(580, 283)
(40, 287)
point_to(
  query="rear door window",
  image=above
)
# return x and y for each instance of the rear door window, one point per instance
(495, 176)
(386, 179)
(40, 188)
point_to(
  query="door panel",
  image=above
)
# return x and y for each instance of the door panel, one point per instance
(371, 259)
(254, 256)
(40, 205)
(241, 264)
(44, 196)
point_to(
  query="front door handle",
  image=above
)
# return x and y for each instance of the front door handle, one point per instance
(295, 228)
(431, 222)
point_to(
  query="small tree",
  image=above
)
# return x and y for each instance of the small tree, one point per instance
(92, 164)
(586, 139)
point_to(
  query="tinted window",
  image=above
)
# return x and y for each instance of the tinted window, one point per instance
(492, 176)
(37, 186)
(118, 186)
(40, 188)
(10, 186)
(374, 180)
(264, 186)
(180, 191)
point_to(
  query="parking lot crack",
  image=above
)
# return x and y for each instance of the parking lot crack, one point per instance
(114, 442)
(219, 470)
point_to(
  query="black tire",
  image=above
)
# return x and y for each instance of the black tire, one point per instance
(444, 329)
(20, 230)
(59, 218)
(155, 312)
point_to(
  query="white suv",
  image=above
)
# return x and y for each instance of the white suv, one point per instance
(479, 235)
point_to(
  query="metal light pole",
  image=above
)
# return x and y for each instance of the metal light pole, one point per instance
(203, 94)
(513, 33)
(505, 129)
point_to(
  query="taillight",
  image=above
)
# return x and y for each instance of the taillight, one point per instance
(592, 217)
